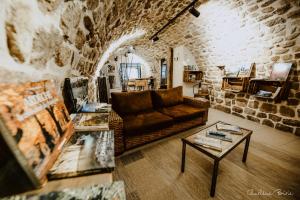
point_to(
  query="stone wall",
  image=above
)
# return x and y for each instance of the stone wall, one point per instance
(264, 32)
(42, 39)
(235, 32)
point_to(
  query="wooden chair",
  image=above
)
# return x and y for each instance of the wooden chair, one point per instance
(141, 84)
(131, 84)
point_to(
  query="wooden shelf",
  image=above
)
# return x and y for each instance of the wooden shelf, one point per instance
(235, 84)
(238, 82)
(274, 95)
(192, 76)
(279, 89)
(232, 90)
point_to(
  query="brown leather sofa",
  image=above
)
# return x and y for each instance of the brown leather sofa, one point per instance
(150, 115)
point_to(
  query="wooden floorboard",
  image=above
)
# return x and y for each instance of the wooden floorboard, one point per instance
(273, 163)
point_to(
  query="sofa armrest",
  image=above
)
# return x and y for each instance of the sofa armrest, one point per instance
(116, 124)
(197, 102)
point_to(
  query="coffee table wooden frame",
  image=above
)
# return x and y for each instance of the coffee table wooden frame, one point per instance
(218, 158)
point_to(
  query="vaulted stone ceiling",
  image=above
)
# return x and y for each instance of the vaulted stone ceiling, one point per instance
(124, 17)
(51, 37)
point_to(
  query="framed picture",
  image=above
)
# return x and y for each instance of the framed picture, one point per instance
(232, 71)
(280, 71)
(245, 70)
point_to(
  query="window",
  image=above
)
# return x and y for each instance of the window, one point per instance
(130, 70)
(163, 73)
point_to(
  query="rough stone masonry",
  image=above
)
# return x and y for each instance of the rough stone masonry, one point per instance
(55, 39)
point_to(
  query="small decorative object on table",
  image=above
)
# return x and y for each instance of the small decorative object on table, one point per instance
(229, 128)
(208, 142)
(219, 135)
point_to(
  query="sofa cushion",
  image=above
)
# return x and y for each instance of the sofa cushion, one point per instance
(145, 122)
(126, 103)
(168, 97)
(182, 112)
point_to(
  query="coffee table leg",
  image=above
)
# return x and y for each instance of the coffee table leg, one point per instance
(183, 156)
(214, 178)
(246, 149)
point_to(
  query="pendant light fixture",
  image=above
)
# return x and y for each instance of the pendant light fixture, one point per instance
(194, 12)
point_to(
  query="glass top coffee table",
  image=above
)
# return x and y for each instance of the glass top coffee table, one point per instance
(226, 146)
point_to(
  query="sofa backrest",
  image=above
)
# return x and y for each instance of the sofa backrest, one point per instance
(126, 103)
(167, 97)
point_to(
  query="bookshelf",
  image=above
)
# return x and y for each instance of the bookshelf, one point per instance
(237, 79)
(192, 76)
(279, 89)
(276, 86)
(235, 84)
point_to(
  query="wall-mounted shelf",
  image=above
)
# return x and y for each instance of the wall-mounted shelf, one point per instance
(203, 90)
(278, 90)
(192, 76)
(235, 84)
(237, 79)
(276, 87)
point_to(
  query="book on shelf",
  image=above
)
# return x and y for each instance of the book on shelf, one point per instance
(90, 121)
(230, 128)
(263, 93)
(207, 142)
(96, 107)
(103, 107)
(85, 153)
(219, 135)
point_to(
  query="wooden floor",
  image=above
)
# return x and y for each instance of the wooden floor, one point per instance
(273, 166)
